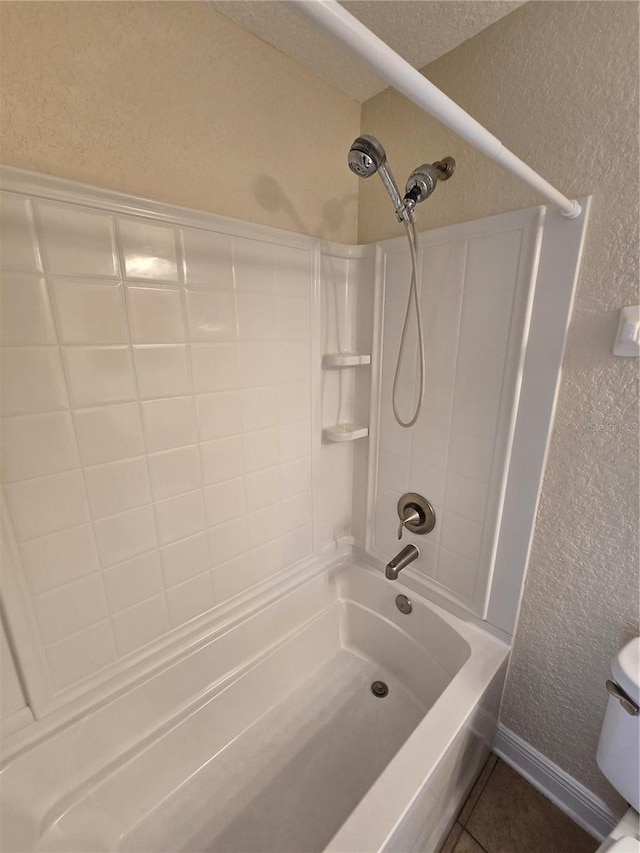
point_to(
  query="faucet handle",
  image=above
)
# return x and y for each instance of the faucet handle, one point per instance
(416, 514)
(410, 515)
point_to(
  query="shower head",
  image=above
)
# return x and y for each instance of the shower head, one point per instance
(421, 183)
(423, 180)
(366, 157)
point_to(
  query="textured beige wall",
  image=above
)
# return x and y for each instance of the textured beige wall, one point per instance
(173, 101)
(557, 82)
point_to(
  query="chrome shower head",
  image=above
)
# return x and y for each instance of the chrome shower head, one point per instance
(423, 180)
(366, 157)
(421, 183)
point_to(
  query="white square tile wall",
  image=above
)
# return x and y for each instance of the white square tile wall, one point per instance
(156, 405)
(468, 288)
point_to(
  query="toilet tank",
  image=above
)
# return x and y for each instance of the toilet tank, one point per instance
(618, 753)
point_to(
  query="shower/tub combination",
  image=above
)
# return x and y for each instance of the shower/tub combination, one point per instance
(290, 750)
(213, 455)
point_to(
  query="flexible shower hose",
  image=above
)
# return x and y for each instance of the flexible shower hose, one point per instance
(412, 237)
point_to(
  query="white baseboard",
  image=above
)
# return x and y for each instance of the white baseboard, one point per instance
(587, 810)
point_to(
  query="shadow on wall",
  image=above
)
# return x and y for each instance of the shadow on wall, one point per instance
(270, 196)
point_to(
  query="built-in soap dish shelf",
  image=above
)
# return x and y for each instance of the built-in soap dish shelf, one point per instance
(344, 359)
(345, 432)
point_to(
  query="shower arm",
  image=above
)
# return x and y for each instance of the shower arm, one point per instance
(389, 65)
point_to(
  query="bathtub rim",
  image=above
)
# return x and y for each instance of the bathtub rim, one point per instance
(323, 589)
(340, 608)
(200, 633)
(393, 793)
(155, 658)
(485, 655)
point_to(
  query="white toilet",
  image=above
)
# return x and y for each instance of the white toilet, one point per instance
(618, 753)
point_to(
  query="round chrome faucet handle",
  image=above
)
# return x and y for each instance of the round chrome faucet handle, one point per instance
(416, 514)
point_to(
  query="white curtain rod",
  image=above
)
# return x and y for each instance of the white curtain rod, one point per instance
(389, 65)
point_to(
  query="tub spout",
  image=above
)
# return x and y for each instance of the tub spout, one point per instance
(408, 554)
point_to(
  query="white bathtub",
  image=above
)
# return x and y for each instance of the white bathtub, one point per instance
(267, 737)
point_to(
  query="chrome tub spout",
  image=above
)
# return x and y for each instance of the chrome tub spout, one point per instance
(408, 554)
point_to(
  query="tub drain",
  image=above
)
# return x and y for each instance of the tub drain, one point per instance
(379, 689)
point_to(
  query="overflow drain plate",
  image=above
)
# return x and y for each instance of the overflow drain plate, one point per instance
(379, 689)
(403, 604)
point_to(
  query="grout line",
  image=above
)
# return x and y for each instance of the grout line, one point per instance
(32, 216)
(481, 846)
(120, 261)
(457, 827)
(68, 388)
(482, 790)
(184, 304)
(453, 395)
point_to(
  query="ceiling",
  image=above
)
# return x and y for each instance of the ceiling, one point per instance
(419, 30)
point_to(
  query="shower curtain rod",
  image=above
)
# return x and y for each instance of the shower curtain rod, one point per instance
(389, 65)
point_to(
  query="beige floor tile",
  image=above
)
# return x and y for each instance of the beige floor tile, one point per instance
(450, 843)
(511, 816)
(477, 789)
(467, 844)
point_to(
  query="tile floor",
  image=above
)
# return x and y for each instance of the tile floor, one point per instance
(505, 814)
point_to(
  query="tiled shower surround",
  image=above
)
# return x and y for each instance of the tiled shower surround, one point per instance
(164, 397)
(474, 290)
(156, 433)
